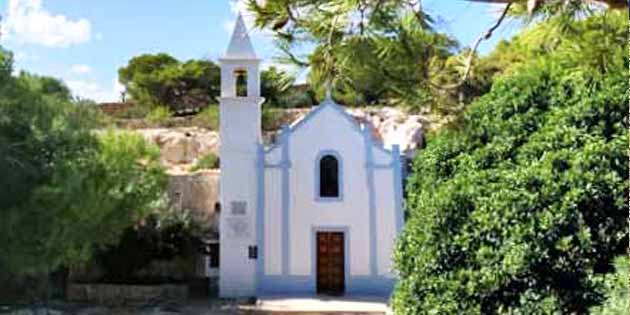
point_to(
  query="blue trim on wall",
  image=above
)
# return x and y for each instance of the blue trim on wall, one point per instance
(398, 196)
(369, 159)
(307, 284)
(260, 213)
(280, 284)
(286, 250)
(316, 192)
(282, 164)
(370, 285)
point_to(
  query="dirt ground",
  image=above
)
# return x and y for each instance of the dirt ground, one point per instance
(191, 307)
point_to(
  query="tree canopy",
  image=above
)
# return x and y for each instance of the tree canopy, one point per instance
(391, 47)
(520, 207)
(162, 80)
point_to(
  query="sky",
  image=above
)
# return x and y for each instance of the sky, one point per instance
(85, 42)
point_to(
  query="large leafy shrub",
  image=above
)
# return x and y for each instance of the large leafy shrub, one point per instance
(520, 208)
(152, 241)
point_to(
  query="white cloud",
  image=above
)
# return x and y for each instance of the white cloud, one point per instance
(94, 91)
(20, 56)
(22, 59)
(81, 69)
(27, 21)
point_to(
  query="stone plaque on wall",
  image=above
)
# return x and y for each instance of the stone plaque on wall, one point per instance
(238, 228)
(238, 208)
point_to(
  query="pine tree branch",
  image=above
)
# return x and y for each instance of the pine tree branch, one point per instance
(473, 51)
(485, 36)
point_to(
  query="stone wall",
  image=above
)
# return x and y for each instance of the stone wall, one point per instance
(114, 109)
(112, 294)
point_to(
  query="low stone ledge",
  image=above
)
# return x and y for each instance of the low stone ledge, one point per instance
(119, 294)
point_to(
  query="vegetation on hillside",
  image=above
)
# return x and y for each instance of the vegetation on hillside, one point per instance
(206, 162)
(521, 207)
(160, 80)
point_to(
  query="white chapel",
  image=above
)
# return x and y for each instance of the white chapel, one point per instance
(316, 212)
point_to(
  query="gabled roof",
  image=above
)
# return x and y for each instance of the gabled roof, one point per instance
(240, 46)
(329, 103)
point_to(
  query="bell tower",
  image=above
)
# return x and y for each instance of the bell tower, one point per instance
(240, 134)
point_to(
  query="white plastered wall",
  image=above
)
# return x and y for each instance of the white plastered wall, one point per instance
(329, 130)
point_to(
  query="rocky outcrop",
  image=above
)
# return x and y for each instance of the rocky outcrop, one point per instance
(197, 192)
(394, 126)
(181, 147)
(391, 126)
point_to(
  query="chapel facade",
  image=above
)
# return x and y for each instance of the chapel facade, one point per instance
(316, 212)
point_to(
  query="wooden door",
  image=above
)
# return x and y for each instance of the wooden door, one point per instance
(330, 263)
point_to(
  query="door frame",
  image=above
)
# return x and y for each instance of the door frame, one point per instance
(346, 253)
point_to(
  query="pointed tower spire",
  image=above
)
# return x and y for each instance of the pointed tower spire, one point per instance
(240, 46)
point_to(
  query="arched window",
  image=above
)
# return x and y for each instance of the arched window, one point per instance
(329, 177)
(241, 82)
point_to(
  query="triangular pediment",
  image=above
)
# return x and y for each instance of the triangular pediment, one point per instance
(328, 105)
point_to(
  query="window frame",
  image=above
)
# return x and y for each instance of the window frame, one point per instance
(317, 191)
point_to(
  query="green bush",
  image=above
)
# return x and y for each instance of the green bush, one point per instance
(159, 115)
(208, 161)
(154, 240)
(208, 117)
(520, 208)
(615, 290)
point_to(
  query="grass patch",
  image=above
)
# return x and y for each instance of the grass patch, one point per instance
(208, 118)
(206, 162)
(159, 115)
